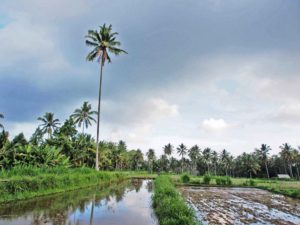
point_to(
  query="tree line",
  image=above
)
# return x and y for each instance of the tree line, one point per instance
(56, 144)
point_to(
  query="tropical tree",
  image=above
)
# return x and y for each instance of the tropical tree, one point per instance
(181, 150)
(225, 160)
(49, 123)
(250, 164)
(151, 157)
(207, 158)
(286, 154)
(102, 42)
(194, 153)
(1, 116)
(214, 159)
(84, 116)
(262, 154)
(168, 149)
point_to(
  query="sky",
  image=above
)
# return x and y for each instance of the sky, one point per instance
(220, 74)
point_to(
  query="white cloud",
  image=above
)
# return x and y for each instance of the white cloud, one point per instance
(214, 124)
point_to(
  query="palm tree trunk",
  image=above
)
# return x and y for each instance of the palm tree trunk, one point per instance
(182, 164)
(267, 170)
(98, 115)
(83, 129)
(291, 170)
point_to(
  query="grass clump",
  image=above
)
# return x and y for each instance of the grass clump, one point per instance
(185, 178)
(170, 208)
(206, 178)
(250, 182)
(225, 181)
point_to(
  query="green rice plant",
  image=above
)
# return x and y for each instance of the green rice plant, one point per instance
(206, 178)
(170, 208)
(185, 178)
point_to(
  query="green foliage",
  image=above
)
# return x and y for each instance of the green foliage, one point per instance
(250, 182)
(23, 182)
(223, 181)
(206, 178)
(185, 178)
(169, 206)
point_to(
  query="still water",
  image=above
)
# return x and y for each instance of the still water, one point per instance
(215, 205)
(125, 203)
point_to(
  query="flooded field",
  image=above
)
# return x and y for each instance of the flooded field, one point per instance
(242, 206)
(126, 203)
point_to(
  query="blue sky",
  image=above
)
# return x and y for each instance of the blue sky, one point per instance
(223, 74)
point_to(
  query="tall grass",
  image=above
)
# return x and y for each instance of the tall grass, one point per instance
(23, 183)
(169, 206)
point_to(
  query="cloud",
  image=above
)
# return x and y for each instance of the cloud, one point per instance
(214, 124)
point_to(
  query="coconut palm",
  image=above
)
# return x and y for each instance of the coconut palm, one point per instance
(49, 123)
(194, 153)
(84, 116)
(168, 149)
(1, 116)
(286, 154)
(214, 159)
(262, 154)
(181, 150)
(102, 42)
(151, 157)
(207, 158)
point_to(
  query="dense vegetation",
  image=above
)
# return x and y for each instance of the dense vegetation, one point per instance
(169, 206)
(22, 183)
(53, 144)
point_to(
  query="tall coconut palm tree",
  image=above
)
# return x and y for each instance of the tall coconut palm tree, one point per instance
(1, 116)
(49, 123)
(102, 42)
(262, 154)
(84, 116)
(181, 150)
(214, 159)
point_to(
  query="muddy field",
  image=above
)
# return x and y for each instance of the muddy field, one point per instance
(242, 206)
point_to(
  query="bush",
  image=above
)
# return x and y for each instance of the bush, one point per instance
(206, 179)
(185, 178)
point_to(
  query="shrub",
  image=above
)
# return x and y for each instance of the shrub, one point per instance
(249, 183)
(218, 180)
(206, 178)
(185, 178)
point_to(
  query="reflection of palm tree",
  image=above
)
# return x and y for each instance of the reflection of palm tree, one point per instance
(149, 186)
(92, 210)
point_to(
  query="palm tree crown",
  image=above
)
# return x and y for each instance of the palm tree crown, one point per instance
(84, 116)
(1, 116)
(102, 41)
(49, 123)
(168, 149)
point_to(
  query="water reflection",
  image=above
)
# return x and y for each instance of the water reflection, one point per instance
(123, 203)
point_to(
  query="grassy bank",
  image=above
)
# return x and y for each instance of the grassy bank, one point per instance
(289, 188)
(169, 206)
(24, 183)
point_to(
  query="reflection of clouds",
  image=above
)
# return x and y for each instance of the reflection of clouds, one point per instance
(126, 205)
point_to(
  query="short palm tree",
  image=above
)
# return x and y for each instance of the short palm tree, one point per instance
(1, 116)
(286, 154)
(49, 123)
(102, 42)
(181, 150)
(84, 116)
(151, 157)
(262, 154)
